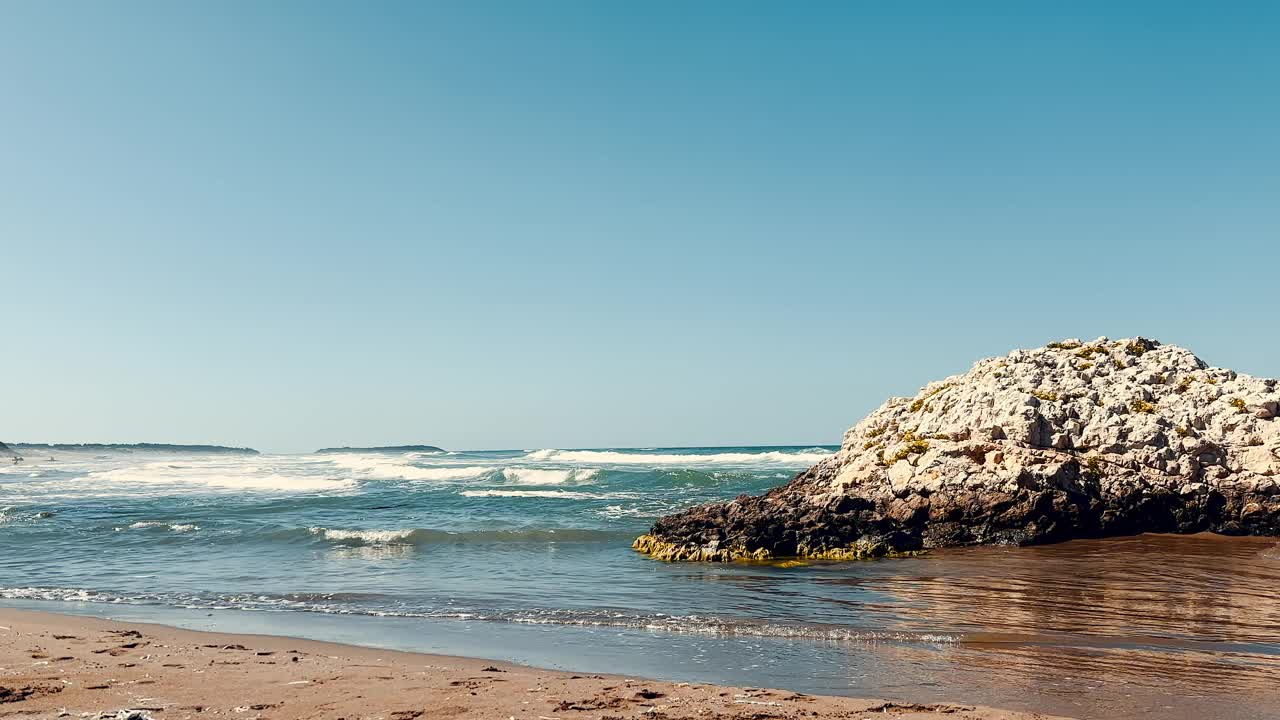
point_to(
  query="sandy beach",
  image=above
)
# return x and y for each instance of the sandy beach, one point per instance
(69, 666)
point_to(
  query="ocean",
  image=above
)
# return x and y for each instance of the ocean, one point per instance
(525, 556)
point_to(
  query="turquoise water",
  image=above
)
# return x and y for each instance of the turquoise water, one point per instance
(525, 555)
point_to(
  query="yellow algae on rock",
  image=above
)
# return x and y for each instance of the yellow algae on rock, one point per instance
(674, 552)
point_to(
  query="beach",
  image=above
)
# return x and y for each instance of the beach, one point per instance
(54, 665)
(524, 556)
(661, 361)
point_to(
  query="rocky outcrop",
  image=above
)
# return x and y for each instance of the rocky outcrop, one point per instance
(1071, 440)
(7, 452)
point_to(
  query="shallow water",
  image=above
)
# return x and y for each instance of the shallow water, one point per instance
(525, 556)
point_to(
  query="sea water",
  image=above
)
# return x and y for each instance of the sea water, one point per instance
(525, 555)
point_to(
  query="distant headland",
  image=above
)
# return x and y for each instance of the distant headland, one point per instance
(385, 448)
(129, 447)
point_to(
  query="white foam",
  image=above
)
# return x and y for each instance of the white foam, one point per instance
(618, 511)
(444, 473)
(564, 494)
(276, 482)
(536, 476)
(401, 468)
(372, 537)
(40, 593)
(175, 527)
(231, 476)
(802, 458)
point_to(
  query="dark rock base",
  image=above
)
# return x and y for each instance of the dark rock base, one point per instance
(786, 522)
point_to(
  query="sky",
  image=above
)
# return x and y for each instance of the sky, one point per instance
(589, 224)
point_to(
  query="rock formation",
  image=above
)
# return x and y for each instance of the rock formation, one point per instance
(1071, 440)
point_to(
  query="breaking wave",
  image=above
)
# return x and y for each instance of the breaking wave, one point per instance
(422, 536)
(362, 537)
(798, 458)
(258, 476)
(174, 527)
(538, 476)
(381, 468)
(562, 494)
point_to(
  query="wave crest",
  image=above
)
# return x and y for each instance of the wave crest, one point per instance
(800, 458)
(174, 527)
(562, 494)
(423, 536)
(539, 476)
(373, 467)
(362, 537)
(217, 475)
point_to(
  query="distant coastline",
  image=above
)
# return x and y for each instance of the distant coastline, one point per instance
(384, 448)
(142, 447)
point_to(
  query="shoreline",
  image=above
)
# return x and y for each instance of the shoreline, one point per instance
(54, 663)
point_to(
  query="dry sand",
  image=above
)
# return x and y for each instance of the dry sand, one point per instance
(68, 666)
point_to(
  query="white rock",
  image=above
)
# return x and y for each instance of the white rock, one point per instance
(1157, 409)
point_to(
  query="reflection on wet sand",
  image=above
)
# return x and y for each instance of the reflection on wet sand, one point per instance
(1180, 627)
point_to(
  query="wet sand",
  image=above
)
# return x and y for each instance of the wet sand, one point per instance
(69, 666)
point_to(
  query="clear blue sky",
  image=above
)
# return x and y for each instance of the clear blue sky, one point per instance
(558, 224)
